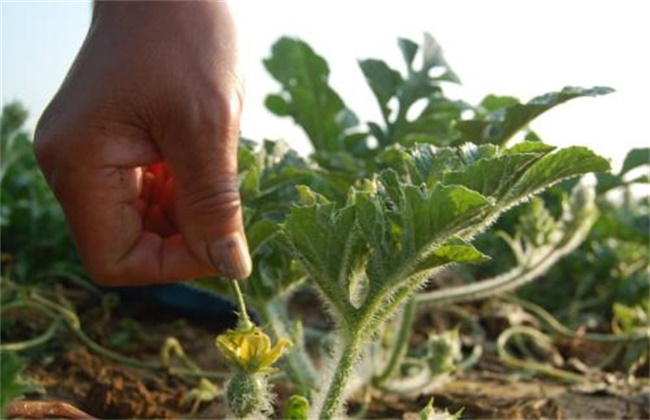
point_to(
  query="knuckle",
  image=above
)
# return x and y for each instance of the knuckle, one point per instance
(217, 198)
(218, 114)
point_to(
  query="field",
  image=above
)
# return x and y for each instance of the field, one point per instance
(450, 264)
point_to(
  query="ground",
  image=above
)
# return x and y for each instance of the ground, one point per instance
(67, 371)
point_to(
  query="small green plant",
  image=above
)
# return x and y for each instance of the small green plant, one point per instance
(370, 223)
(429, 412)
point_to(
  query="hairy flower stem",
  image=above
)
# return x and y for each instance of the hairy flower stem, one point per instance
(244, 323)
(335, 395)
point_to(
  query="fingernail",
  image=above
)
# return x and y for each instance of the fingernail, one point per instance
(230, 256)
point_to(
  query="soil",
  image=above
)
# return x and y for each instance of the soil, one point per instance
(69, 375)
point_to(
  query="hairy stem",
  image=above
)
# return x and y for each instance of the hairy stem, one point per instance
(335, 396)
(400, 344)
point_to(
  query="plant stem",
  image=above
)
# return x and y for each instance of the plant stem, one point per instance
(75, 325)
(560, 329)
(401, 341)
(335, 395)
(34, 342)
(244, 323)
(528, 365)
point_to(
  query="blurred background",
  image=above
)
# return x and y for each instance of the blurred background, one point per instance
(513, 48)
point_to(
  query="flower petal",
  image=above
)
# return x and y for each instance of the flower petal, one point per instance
(276, 352)
(250, 350)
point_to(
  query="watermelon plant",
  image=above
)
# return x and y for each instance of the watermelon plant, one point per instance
(377, 210)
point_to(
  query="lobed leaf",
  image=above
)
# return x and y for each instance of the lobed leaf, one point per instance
(306, 95)
(555, 167)
(383, 81)
(635, 158)
(325, 240)
(504, 116)
(434, 122)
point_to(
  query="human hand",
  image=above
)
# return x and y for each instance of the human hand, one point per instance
(140, 144)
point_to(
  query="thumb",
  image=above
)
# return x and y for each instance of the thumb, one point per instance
(203, 166)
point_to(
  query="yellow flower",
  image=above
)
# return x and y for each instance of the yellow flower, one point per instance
(251, 350)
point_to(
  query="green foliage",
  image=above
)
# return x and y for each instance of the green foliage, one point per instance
(10, 368)
(433, 124)
(611, 266)
(374, 221)
(308, 98)
(540, 241)
(415, 201)
(392, 234)
(500, 118)
(35, 238)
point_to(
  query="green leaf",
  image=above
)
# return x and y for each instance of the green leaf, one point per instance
(493, 177)
(429, 412)
(259, 233)
(460, 252)
(307, 96)
(455, 252)
(325, 240)
(631, 318)
(383, 82)
(270, 180)
(427, 164)
(278, 105)
(430, 217)
(332, 242)
(34, 230)
(435, 121)
(635, 158)
(492, 103)
(539, 243)
(378, 234)
(529, 147)
(432, 57)
(499, 125)
(11, 386)
(408, 49)
(556, 167)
